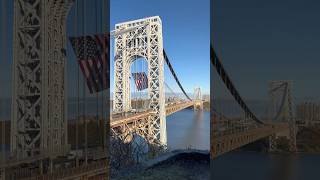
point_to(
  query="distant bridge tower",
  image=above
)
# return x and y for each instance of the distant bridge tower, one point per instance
(39, 122)
(197, 99)
(281, 109)
(143, 41)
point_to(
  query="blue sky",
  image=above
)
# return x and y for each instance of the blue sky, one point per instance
(186, 36)
(258, 41)
(185, 29)
(6, 22)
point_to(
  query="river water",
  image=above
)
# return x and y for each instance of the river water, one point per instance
(189, 129)
(260, 166)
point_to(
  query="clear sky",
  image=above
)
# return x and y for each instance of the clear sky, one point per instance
(6, 23)
(260, 40)
(186, 36)
(185, 29)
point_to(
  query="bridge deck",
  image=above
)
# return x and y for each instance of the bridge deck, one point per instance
(9, 161)
(226, 143)
(119, 119)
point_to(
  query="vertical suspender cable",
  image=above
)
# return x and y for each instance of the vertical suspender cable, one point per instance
(131, 78)
(83, 84)
(136, 93)
(106, 121)
(97, 95)
(4, 56)
(104, 136)
(103, 100)
(146, 71)
(134, 90)
(143, 70)
(78, 84)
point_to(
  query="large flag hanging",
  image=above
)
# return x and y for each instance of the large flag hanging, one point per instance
(93, 58)
(140, 80)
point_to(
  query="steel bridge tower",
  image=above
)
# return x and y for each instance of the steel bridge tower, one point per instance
(39, 124)
(281, 110)
(197, 99)
(144, 40)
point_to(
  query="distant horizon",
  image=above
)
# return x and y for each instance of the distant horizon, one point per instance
(270, 40)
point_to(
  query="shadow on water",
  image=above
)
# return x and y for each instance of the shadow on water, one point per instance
(253, 166)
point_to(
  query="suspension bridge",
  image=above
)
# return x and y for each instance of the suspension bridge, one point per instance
(143, 39)
(228, 134)
(39, 147)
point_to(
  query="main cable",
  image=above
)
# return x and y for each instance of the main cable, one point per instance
(174, 74)
(228, 83)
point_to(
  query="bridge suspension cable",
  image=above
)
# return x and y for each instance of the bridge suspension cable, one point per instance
(283, 99)
(174, 74)
(171, 91)
(229, 84)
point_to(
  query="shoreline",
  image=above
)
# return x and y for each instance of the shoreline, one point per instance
(280, 153)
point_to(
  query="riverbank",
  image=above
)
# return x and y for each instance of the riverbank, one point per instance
(176, 165)
(263, 166)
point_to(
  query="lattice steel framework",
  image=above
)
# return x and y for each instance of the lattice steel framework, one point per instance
(144, 41)
(39, 107)
(197, 94)
(197, 98)
(281, 109)
(126, 131)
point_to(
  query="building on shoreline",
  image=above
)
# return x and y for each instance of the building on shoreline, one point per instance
(308, 113)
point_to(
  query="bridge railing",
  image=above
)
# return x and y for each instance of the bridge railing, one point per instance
(224, 126)
(227, 134)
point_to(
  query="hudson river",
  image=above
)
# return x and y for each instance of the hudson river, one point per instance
(189, 129)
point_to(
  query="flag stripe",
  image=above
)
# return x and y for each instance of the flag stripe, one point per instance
(97, 74)
(93, 58)
(141, 80)
(103, 57)
(91, 77)
(83, 71)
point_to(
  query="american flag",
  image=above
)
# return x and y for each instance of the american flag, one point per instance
(141, 80)
(93, 58)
